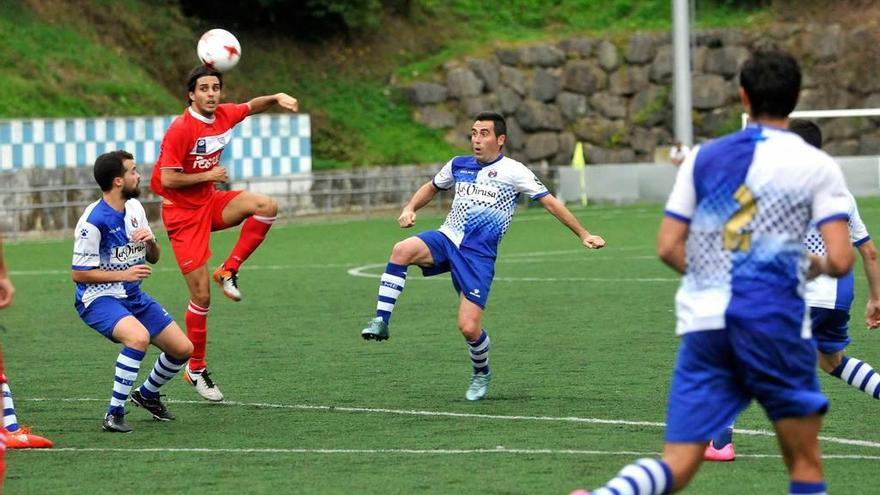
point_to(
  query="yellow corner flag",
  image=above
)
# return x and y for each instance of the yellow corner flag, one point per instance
(578, 163)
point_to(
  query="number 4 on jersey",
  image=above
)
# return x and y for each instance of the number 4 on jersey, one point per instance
(735, 238)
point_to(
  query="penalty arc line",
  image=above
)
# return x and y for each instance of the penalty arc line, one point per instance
(448, 414)
(363, 271)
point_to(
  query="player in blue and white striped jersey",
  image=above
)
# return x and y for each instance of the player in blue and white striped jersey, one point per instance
(830, 300)
(487, 185)
(113, 243)
(734, 227)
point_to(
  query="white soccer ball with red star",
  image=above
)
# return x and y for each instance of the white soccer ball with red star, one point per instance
(219, 49)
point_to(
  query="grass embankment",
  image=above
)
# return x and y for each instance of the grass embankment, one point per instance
(98, 57)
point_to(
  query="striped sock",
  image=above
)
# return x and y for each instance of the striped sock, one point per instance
(860, 375)
(128, 363)
(196, 320)
(390, 287)
(165, 368)
(10, 422)
(802, 488)
(644, 477)
(479, 351)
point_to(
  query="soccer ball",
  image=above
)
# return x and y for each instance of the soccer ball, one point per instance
(219, 49)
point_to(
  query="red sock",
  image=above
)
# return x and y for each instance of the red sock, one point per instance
(253, 231)
(197, 332)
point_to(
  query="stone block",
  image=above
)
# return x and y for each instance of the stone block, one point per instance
(545, 85)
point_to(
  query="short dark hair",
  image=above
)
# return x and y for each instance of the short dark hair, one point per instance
(109, 166)
(808, 130)
(772, 80)
(496, 118)
(201, 71)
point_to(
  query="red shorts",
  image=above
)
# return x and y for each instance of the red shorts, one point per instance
(189, 229)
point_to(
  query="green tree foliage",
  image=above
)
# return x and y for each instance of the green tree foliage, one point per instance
(304, 19)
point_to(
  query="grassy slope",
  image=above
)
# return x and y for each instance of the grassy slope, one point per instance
(102, 57)
(56, 70)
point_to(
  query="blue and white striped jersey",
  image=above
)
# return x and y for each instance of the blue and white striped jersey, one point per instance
(749, 198)
(485, 199)
(102, 241)
(829, 292)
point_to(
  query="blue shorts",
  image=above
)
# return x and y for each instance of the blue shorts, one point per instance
(830, 329)
(719, 372)
(105, 312)
(472, 273)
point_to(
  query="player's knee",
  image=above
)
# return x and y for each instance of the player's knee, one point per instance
(137, 340)
(470, 328)
(402, 253)
(201, 296)
(183, 351)
(266, 206)
(273, 207)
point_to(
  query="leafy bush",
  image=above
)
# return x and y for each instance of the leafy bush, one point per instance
(304, 19)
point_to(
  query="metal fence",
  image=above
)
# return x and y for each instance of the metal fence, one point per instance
(53, 210)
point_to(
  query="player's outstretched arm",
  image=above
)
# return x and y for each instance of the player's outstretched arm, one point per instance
(262, 103)
(671, 239)
(868, 252)
(7, 290)
(422, 196)
(558, 209)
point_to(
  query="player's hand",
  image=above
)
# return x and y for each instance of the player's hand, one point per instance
(872, 314)
(136, 273)
(407, 219)
(593, 241)
(218, 174)
(6, 292)
(287, 102)
(142, 235)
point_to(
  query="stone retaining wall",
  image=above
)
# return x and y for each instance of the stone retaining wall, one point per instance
(615, 95)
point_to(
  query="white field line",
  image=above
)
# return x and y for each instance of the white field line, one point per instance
(575, 259)
(514, 258)
(409, 452)
(448, 414)
(173, 269)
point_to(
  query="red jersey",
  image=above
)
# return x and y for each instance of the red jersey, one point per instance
(193, 144)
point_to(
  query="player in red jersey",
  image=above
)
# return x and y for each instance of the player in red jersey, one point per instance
(192, 208)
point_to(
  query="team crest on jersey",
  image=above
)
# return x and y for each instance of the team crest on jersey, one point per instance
(208, 145)
(493, 174)
(134, 222)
